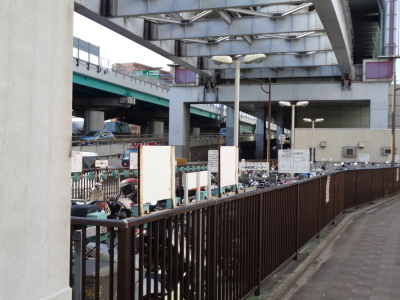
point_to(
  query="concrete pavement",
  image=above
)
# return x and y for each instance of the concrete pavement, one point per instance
(358, 259)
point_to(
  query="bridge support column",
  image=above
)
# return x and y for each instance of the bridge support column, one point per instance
(229, 126)
(158, 127)
(196, 131)
(37, 39)
(260, 139)
(179, 122)
(94, 120)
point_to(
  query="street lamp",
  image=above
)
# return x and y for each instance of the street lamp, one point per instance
(393, 139)
(312, 122)
(286, 103)
(248, 59)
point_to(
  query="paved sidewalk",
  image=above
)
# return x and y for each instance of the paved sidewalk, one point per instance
(360, 260)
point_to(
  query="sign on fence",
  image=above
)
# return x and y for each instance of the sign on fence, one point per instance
(76, 161)
(363, 157)
(101, 163)
(294, 161)
(253, 166)
(213, 160)
(133, 161)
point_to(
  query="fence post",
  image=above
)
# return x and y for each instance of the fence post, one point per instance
(297, 222)
(124, 264)
(78, 277)
(260, 238)
(319, 209)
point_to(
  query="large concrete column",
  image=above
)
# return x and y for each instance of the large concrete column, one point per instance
(196, 131)
(229, 126)
(260, 139)
(179, 122)
(158, 128)
(94, 120)
(35, 111)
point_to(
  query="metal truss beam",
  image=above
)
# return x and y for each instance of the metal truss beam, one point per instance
(225, 16)
(124, 8)
(322, 71)
(132, 29)
(274, 45)
(278, 61)
(240, 26)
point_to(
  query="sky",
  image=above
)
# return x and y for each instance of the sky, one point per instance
(115, 47)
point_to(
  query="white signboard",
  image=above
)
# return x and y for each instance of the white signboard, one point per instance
(254, 166)
(327, 159)
(133, 161)
(294, 161)
(396, 158)
(101, 163)
(191, 179)
(76, 161)
(363, 158)
(213, 160)
(157, 173)
(229, 160)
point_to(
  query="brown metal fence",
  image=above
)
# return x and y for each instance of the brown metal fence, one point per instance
(217, 249)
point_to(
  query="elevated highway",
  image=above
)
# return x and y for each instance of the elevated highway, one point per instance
(324, 52)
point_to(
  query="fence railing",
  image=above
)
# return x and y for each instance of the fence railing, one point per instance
(217, 249)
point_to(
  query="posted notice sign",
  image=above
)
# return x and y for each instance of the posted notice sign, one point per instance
(253, 166)
(213, 160)
(294, 161)
(76, 161)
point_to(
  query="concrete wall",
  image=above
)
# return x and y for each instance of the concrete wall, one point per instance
(373, 139)
(35, 111)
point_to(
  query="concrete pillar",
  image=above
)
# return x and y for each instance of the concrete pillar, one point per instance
(35, 111)
(260, 139)
(196, 131)
(229, 126)
(158, 128)
(179, 122)
(94, 120)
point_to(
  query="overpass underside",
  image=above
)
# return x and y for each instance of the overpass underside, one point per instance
(315, 51)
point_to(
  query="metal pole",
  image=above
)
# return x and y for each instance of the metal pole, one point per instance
(312, 149)
(292, 129)
(393, 142)
(236, 105)
(269, 122)
(78, 280)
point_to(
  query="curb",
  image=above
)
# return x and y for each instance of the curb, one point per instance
(282, 289)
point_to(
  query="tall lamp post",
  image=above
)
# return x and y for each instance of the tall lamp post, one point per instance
(248, 59)
(312, 122)
(286, 103)
(393, 139)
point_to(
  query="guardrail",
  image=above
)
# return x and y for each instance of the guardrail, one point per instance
(148, 138)
(218, 249)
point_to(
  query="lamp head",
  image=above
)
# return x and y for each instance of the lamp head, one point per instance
(254, 58)
(219, 60)
(307, 120)
(284, 103)
(319, 120)
(302, 103)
